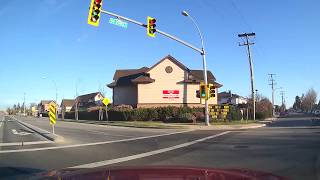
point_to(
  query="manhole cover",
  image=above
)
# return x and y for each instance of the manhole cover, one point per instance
(241, 146)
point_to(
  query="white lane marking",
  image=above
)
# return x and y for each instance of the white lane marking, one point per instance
(150, 153)
(92, 144)
(25, 143)
(29, 125)
(108, 134)
(22, 133)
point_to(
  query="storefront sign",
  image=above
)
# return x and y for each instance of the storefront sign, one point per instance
(170, 94)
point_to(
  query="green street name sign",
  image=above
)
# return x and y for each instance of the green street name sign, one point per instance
(118, 22)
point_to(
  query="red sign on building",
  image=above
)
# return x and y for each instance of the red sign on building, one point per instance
(170, 94)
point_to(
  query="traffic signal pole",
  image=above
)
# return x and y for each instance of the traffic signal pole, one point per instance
(201, 51)
(158, 31)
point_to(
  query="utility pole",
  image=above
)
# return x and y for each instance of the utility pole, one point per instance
(282, 97)
(246, 36)
(272, 83)
(24, 104)
(76, 104)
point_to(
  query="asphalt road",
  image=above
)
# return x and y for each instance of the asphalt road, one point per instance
(14, 133)
(288, 147)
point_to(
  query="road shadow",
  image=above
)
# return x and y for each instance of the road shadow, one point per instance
(295, 122)
(18, 172)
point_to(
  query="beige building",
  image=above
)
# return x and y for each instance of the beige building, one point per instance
(168, 82)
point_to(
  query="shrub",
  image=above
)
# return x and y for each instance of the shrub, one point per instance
(186, 118)
(234, 113)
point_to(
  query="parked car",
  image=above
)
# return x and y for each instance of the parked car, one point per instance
(316, 112)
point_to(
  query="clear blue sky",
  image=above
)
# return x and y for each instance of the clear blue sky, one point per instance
(52, 38)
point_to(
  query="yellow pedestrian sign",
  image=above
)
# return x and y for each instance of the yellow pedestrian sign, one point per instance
(106, 101)
(52, 113)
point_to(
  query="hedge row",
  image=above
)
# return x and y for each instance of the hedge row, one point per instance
(165, 114)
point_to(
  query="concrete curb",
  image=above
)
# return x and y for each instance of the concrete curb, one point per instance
(197, 127)
(42, 132)
(230, 127)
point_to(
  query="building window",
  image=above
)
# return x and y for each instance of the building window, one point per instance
(169, 69)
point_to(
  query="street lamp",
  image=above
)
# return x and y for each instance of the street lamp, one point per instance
(203, 54)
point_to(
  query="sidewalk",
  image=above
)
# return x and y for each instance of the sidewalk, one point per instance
(160, 125)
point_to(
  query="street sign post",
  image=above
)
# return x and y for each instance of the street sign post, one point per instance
(217, 111)
(106, 101)
(52, 115)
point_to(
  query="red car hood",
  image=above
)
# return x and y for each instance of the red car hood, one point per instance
(157, 173)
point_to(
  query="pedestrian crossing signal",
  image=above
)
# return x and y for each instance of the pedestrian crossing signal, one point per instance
(94, 12)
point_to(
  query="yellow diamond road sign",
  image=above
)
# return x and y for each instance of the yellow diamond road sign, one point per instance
(106, 101)
(52, 113)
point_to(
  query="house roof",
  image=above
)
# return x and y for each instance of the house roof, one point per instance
(172, 59)
(226, 94)
(143, 79)
(67, 102)
(45, 102)
(87, 97)
(198, 75)
(128, 77)
(127, 72)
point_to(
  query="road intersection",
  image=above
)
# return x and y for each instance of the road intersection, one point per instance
(289, 147)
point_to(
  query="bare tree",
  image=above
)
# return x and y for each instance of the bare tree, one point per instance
(309, 100)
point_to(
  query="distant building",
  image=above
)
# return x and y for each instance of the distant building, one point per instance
(229, 98)
(168, 82)
(66, 105)
(43, 107)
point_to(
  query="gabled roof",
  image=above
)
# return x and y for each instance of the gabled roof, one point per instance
(87, 97)
(172, 59)
(45, 102)
(67, 102)
(226, 94)
(127, 72)
(129, 77)
(198, 75)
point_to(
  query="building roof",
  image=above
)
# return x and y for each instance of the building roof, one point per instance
(67, 102)
(227, 94)
(127, 72)
(46, 102)
(172, 59)
(198, 75)
(87, 97)
(128, 77)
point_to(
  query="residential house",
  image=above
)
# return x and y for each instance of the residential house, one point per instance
(66, 105)
(87, 101)
(43, 107)
(229, 98)
(168, 82)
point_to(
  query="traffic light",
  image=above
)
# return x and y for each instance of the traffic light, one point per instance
(212, 91)
(94, 12)
(151, 26)
(197, 93)
(203, 90)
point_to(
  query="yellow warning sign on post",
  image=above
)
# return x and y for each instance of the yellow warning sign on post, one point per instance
(52, 113)
(106, 101)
